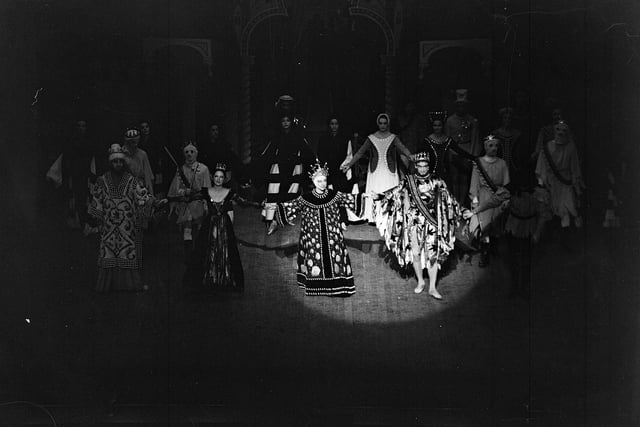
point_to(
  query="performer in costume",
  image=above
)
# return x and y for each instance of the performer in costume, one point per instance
(464, 129)
(215, 264)
(119, 203)
(512, 144)
(194, 177)
(418, 220)
(383, 171)
(324, 267)
(285, 155)
(558, 170)
(489, 195)
(137, 159)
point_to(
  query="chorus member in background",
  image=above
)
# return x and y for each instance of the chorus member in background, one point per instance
(489, 197)
(137, 159)
(464, 129)
(383, 147)
(558, 170)
(119, 203)
(192, 179)
(418, 222)
(324, 267)
(284, 157)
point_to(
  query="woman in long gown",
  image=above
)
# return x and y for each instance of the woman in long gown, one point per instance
(216, 264)
(418, 220)
(120, 204)
(489, 196)
(383, 169)
(324, 267)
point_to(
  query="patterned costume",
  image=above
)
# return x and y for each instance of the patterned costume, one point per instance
(198, 176)
(323, 261)
(120, 207)
(422, 205)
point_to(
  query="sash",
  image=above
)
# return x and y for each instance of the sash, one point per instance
(413, 187)
(553, 166)
(485, 175)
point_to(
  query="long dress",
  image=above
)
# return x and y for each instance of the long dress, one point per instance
(422, 205)
(558, 168)
(120, 208)
(481, 191)
(323, 261)
(216, 263)
(382, 178)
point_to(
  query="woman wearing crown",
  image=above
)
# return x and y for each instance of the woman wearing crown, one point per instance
(215, 263)
(193, 177)
(418, 222)
(323, 261)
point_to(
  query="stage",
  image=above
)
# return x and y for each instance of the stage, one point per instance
(273, 356)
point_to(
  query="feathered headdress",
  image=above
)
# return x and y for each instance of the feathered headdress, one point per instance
(317, 169)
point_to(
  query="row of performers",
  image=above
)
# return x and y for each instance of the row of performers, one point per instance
(417, 217)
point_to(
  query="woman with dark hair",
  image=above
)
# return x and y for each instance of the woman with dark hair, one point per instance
(383, 170)
(215, 264)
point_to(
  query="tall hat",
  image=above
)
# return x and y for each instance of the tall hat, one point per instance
(462, 95)
(437, 115)
(132, 135)
(116, 152)
(317, 169)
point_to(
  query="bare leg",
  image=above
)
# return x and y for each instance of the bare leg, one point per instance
(417, 267)
(432, 270)
(417, 262)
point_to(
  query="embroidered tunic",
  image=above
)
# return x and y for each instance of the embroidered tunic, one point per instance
(120, 207)
(422, 205)
(324, 267)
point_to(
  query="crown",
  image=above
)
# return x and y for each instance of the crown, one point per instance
(132, 133)
(188, 143)
(422, 156)
(220, 167)
(437, 115)
(317, 169)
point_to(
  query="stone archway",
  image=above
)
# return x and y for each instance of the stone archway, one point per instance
(429, 47)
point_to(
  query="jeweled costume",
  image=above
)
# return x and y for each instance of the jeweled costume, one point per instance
(324, 267)
(120, 206)
(422, 204)
(216, 263)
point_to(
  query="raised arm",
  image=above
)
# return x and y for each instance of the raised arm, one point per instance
(404, 151)
(365, 147)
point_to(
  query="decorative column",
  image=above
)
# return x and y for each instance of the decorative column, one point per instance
(389, 82)
(245, 109)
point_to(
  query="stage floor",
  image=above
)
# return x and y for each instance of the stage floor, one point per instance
(281, 358)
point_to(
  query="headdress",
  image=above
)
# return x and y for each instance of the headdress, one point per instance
(116, 152)
(132, 134)
(491, 137)
(284, 98)
(220, 167)
(438, 115)
(190, 144)
(422, 156)
(317, 170)
(560, 124)
(462, 95)
(385, 115)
